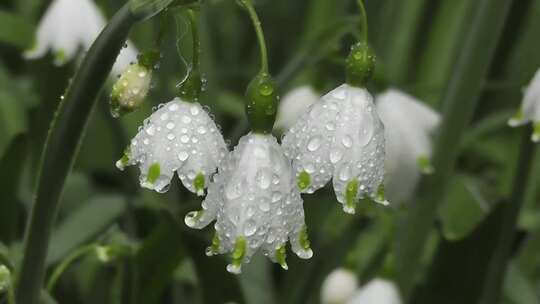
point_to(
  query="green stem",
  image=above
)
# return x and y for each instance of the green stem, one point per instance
(59, 270)
(61, 146)
(364, 21)
(460, 100)
(195, 39)
(11, 295)
(499, 262)
(248, 4)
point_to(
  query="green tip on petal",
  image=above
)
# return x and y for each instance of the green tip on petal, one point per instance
(5, 278)
(424, 163)
(60, 57)
(380, 198)
(213, 249)
(281, 255)
(517, 119)
(124, 161)
(304, 240)
(199, 183)
(351, 193)
(536, 133)
(153, 173)
(238, 254)
(193, 217)
(304, 180)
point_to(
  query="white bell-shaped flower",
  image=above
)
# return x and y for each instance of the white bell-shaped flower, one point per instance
(341, 136)
(293, 105)
(255, 203)
(70, 26)
(409, 126)
(530, 108)
(338, 287)
(179, 136)
(377, 291)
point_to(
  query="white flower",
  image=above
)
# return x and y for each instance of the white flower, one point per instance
(530, 108)
(179, 136)
(130, 90)
(255, 203)
(338, 287)
(69, 26)
(377, 291)
(409, 126)
(341, 136)
(294, 104)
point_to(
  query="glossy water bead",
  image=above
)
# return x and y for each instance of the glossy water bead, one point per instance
(255, 204)
(179, 136)
(339, 137)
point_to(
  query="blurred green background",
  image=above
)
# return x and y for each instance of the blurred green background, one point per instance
(417, 43)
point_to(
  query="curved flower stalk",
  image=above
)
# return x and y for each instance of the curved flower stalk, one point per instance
(377, 291)
(409, 126)
(340, 137)
(339, 286)
(179, 136)
(69, 26)
(293, 104)
(530, 108)
(255, 204)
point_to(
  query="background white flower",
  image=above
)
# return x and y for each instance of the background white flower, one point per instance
(409, 127)
(341, 136)
(339, 286)
(68, 27)
(530, 107)
(256, 204)
(179, 136)
(377, 291)
(293, 105)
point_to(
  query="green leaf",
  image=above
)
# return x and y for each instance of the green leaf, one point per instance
(84, 224)
(463, 208)
(16, 30)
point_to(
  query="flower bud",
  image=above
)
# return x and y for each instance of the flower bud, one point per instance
(131, 88)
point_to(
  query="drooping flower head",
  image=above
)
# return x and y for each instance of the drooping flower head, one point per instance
(530, 108)
(340, 137)
(409, 128)
(377, 291)
(179, 137)
(70, 26)
(339, 286)
(255, 204)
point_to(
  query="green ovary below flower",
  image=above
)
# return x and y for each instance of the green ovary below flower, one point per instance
(5, 278)
(130, 90)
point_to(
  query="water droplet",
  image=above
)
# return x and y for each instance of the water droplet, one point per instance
(335, 156)
(150, 130)
(250, 228)
(266, 89)
(201, 130)
(314, 144)
(146, 141)
(182, 156)
(170, 125)
(347, 141)
(142, 74)
(173, 107)
(186, 119)
(194, 110)
(330, 126)
(170, 136)
(345, 173)
(276, 196)
(264, 178)
(264, 205)
(184, 139)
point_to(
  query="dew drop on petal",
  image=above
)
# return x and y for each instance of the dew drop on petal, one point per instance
(347, 141)
(182, 156)
(335, 156)
(250, 228)
(314, 144)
